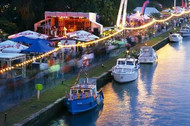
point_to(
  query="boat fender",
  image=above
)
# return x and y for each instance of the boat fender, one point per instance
(102, 94)
(94, 97)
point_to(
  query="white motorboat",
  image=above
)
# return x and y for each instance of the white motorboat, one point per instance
(125, 70)
(185, 31)
(147, 55)
(175, 37)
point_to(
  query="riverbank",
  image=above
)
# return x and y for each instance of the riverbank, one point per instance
(25, 109)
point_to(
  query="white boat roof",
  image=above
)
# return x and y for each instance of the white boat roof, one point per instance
(126, 59)
(81, 84)
(84, 86)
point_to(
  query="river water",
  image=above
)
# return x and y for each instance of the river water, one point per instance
(159, 97)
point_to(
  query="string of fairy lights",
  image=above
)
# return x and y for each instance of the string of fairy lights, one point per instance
(94, 41)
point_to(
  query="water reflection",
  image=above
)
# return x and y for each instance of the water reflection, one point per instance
(78, 120)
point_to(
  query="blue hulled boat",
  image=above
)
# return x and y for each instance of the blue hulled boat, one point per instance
(84, 96)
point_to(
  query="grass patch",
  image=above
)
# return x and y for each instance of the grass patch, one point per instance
(26, 108)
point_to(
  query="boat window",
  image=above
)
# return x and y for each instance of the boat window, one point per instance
(74, 91)
(121, 62)
(86, 91)
(129, 63)
(79, 91)
(173, 35)
(146, 50)
(93, 92)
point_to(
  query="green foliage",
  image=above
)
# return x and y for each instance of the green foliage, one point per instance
(156, 15)
(8, 26)
(26, 12)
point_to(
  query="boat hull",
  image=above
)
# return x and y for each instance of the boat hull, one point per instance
(81, 105)
(125, 77)
(185, 34)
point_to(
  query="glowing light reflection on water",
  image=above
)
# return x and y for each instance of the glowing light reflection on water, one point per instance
(160, 95)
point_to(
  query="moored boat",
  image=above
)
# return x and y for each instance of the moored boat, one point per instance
(147, 55)
(83, 96)
(175, 37)
(185, 31)
(125, 70)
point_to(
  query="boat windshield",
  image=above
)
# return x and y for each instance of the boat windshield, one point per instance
(174, 36)
(74, 91)
(146, 50)
(130, 63)
(121, 62)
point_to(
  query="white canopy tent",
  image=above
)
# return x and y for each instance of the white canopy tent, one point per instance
(178, 9)
(29, 34)
(148, 10)
(137, 16)
(11, 47)
(82, 35)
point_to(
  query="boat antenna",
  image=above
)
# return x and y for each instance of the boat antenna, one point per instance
(78, 76)
(86, 63)
(84, 66)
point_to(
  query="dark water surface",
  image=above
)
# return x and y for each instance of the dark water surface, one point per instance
(159, 97)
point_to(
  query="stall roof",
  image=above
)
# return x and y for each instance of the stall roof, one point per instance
(148, 10)
(38, 47)
(30, 34)
(82, 35)
(10, 55)
(11, 46)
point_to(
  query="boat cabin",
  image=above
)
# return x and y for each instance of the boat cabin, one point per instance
(146, 51)
(83, 91)
(124, 61)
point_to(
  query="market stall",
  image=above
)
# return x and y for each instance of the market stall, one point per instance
(9, 59)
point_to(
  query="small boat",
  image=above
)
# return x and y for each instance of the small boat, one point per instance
(125, 70)
(175, 37)
(185, 31)
(83, 96)
(147, 55)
